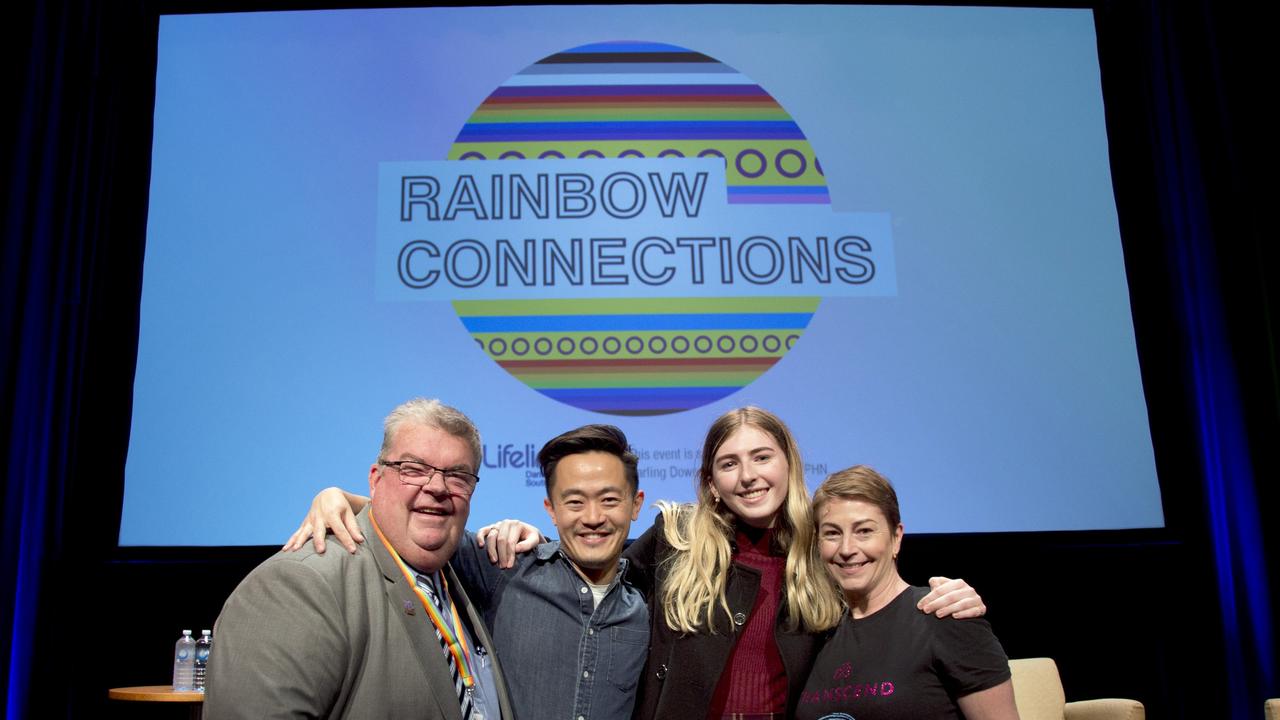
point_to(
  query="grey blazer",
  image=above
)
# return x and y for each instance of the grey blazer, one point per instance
(335, 636)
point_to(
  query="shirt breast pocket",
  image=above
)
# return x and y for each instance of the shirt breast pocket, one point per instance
(627, 652)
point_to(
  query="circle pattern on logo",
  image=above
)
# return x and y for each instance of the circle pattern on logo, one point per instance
(643, 356)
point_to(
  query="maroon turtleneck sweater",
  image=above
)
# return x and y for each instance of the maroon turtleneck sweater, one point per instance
(755, 680)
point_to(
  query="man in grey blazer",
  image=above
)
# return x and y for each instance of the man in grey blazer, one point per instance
(385, 632)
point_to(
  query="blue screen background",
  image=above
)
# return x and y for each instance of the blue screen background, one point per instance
(999, 388)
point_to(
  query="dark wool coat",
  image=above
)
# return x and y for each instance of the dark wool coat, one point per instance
(682, 670)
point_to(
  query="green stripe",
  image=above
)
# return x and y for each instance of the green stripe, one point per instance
(638, 379)
(505, 115)
(635, 306)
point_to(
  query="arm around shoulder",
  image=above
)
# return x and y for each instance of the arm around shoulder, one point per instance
(643, 556)
(975, 668)
(478, 574)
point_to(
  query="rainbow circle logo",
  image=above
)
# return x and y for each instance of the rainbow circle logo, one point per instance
(643, 356)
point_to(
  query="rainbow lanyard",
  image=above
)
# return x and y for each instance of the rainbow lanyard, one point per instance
(454, 637)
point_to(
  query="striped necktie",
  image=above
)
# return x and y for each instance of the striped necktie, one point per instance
(464, 697)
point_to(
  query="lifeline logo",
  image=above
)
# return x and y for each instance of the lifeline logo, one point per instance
(508, 455)
(664, 240)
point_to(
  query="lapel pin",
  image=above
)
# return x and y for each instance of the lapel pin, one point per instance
(408, 608)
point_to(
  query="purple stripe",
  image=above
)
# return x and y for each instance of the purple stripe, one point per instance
(659, 90)
(778, 199)
(629, 130)
(775, 189)
(632, 399)
(632, 135)
(623, 46)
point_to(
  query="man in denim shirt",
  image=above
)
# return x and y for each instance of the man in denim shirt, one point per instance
(572, 633)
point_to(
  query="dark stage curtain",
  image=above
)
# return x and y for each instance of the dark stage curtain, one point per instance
(77, 157)
(77, 153)
(1203, 114)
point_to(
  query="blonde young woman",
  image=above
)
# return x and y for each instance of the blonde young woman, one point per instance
(887, 661)
(739, 598)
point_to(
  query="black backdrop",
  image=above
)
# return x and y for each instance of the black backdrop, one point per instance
(1178, 618)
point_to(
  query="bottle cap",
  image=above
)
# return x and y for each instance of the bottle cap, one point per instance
(206, 632)
(186, 632)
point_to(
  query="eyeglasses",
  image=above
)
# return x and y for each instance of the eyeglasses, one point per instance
(419, 474)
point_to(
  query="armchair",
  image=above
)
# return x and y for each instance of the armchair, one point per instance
(1037, 689)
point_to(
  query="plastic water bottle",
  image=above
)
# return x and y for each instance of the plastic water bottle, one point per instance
(184, 661)
(203, 646)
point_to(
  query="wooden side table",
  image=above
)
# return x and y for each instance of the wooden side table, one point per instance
(161, 693)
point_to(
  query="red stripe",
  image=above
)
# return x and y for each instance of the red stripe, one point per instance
(632, 101)
(619, 364)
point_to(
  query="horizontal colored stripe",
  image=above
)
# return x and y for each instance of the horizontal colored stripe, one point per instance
(779, 194)
(664, 368)
(642, 412)
(569, 134)
(638, 398)
(780, 190)
(779, 200)
(634, 378)
(645, 306)
(650, 148)
(630, 102)
(627, 57)
(575, 365)
(552, 323)
(641, 393)
(607, 79)
(604, 381)
(629, 68)
(630, 125)
(640, 130)
(602, 362)
(654, 89)
(545, 113)
(625, 46)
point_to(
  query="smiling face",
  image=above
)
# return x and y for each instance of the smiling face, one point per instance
(749, 474)
(860, 548)
(592, 506)
(422, 524)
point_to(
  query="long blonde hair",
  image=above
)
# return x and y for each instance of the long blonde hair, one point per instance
(701, 533)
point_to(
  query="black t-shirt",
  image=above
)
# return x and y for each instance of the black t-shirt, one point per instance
(901, 663)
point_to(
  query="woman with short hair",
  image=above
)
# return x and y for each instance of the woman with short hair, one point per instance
(887, 660)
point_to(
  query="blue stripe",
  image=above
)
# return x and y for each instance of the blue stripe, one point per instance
(747, 90)
(594, 79)
(637, 135)
(638, 398)
(778, 189)
(627, 68)
(632, 126)
(638, 393)
(571, 323)
(626, 47)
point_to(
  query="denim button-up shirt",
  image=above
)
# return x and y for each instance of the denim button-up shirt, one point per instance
(565, 658)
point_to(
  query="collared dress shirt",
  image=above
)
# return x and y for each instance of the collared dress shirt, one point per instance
(485, 694)
(566, 658)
